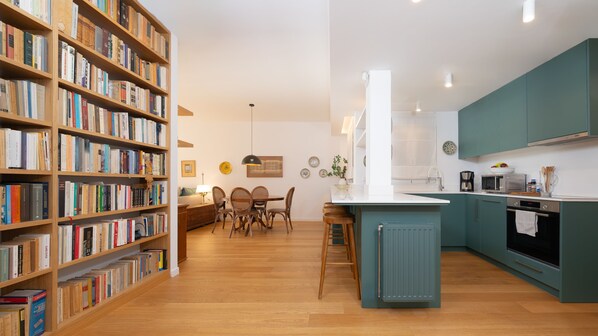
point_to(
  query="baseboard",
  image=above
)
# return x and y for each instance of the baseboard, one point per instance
(174, 272)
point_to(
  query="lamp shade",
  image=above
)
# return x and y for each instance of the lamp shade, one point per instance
(251, 160)
(203, 188)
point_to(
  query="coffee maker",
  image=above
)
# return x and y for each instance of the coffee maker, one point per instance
(466, 181)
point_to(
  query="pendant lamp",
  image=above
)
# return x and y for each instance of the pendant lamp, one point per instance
(251, 160)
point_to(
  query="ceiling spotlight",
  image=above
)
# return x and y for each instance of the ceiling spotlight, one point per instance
(529, 10)
(417, 108)
(415, 1)
(448, 80)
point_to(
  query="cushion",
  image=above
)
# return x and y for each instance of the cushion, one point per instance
(187, 191)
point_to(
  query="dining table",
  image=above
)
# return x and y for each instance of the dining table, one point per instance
(264, 198)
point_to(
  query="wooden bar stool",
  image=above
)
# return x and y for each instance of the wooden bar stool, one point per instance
(336, 215)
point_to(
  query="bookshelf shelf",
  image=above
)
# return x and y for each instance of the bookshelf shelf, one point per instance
(108, 102)
(92, 12)
(116, 249)
(25, 278)
(114, 69)
(74, 322)
(16, 226)
(12, 68)
(14, 15)
(109, 138)
(25, 172)
(107, 175)
(111, 213)
(13, 119)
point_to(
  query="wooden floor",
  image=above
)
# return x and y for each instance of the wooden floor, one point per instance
(268, 285)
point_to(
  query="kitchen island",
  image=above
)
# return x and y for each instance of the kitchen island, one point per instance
(398, 247)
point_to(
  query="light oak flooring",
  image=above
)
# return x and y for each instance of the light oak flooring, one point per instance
(268, 285)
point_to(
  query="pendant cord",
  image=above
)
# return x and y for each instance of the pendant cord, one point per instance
(251, 105)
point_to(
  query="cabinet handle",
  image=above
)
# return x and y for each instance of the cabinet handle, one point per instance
(489, 201)
(477, 209)
(379, 257)
(537, 213)
(529, 267)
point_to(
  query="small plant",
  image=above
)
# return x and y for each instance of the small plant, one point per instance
(339, 167)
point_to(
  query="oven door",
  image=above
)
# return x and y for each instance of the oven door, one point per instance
(545, 246)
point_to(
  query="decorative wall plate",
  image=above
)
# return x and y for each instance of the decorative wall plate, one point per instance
(323, 173)
(313, 161)
(449, 147)
(225, 168)
(305, 173)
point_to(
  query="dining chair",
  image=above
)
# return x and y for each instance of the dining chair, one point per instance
(220, 206)
(243, 211)
(260, 206)
(284, 213)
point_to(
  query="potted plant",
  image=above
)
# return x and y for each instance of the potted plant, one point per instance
(339, 169)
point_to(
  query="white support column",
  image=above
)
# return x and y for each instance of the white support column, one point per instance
(378, 177)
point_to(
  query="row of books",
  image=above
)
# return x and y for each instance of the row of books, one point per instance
(23, 312)
(23, 98)
(24, 254)
(23, 202)
(75, 68)
(135, 23)
(77, 241)
(24, 47)
(78, 198)
(88, 290)
(41, 9)
(115, 49)
(21, 149)
(76, 111)
(79, 154)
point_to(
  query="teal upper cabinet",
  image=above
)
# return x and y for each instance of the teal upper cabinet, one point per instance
(494, 123)
(558, 101)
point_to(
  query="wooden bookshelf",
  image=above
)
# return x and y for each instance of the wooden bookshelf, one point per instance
(10, 69)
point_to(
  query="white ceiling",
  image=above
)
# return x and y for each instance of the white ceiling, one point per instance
(302, 60)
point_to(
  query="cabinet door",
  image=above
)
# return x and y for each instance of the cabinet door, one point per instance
(473, 238)
(557, 96)
(452, 219)
(512, 123)
(468, 121)
(493, 225)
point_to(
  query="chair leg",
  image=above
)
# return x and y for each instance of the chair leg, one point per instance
(324, 258)
(354, 259)
(286, 222)
(224, 214)
(232, 227)
(215, 221)
(290, 221)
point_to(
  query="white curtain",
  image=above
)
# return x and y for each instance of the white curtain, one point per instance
(413, 145)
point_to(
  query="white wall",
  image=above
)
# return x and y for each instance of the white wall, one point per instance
(215, 142)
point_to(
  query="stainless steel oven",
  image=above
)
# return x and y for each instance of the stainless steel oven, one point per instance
(545, 245)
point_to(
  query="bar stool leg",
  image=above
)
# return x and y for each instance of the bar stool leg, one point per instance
(354, 258)
(324, 258)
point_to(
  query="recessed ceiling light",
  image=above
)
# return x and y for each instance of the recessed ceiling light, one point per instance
(529, 10)
(417, 108)
(448, 80)
(415, 1)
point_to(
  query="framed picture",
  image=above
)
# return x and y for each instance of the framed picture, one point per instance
(188, 168)
(271, 167)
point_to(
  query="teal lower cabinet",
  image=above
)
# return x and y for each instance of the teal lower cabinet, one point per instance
(534, 269)
(452, 219)
(398, 254)
(473, 233)
(493, 226)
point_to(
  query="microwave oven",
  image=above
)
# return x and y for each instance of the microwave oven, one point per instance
(503, 183)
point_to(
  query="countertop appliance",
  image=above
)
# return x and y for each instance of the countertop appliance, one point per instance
(466, 180)
(545, 246)
(503, 183)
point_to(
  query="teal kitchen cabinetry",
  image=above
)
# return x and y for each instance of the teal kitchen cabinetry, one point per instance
(562, 97)
(495, 123)
(452, 231)
(493, 226)
(487, 225)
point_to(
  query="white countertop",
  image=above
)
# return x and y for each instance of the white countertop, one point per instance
(558, 198)
(356, 195)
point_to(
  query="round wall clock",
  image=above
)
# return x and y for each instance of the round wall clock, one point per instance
(449, 147)
(313, 161)
(225, 168)
(305, 173)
